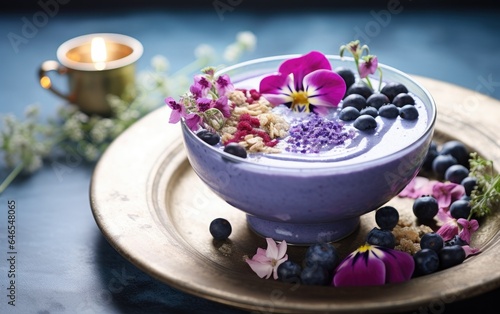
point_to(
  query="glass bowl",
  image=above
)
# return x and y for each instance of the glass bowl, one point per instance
(307, 200)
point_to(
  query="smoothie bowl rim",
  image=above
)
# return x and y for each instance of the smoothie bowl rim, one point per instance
(292, 165)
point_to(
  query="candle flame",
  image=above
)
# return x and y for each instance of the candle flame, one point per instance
(98, 53)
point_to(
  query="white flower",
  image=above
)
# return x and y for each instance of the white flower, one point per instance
(232, 53)
(205, 52)
(160, 63)
(246, 39)
(266, 262)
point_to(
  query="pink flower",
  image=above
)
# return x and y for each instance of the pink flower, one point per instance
(201, 86)
(223, 85)
(266, 262)
(178, 110)
(373, 265)
(305, 84)
(468, 228)
(368, 65)
(447, 192)
(193, 121)
(417, 187)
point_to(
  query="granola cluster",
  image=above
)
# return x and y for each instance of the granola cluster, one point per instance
(408, 235)
(252, 124)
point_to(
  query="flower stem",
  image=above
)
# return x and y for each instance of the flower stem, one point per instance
(12, 175)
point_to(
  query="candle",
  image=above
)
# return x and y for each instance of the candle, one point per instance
(97, 65)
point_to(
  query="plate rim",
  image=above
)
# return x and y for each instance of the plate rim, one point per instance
(110, 187)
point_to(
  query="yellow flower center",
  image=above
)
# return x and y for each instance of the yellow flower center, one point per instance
(364, 248)
(300, 101)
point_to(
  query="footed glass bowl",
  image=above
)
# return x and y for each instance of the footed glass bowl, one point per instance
(308, 199)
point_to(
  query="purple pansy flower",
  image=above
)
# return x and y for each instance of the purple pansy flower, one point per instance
(372, 265)
(306, 83)
(201, 86)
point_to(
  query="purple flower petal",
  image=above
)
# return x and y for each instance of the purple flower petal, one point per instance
(303, 65)
(223, 105)
(399, 265)
(193, 121)
(277, 89)
(368, 66)
(324, 88)
(360, 268)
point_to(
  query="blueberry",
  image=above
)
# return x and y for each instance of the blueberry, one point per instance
(441, 163)
(460, 209)
(371, 111)
(315, 275)
(236, 150)
(348, 114)
(431, 240)
(381, 237)
(354, 100)
(408, 112)
(450, 256)
(458, 150)
(360, 88)
(426, 262)
(432, 152)
(392, 89)
(469, 184)
(209, 137)
(425, 207)
(347, 75)
(289, 271)
(377, 100)
(322, 254)
(456, 240)
(389, 111)
(365, 122)
(402, 99)
(456, 173)
(220, 229)
(387, 217)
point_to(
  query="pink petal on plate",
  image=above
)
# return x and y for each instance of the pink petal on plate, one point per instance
(261, 269)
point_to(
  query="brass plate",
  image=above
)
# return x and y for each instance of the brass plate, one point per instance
(155, 211)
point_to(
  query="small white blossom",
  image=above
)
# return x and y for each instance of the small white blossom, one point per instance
(205, 52)
(160, 63)
(247, 40)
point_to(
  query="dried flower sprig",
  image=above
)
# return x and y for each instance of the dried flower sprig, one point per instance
(486, 195)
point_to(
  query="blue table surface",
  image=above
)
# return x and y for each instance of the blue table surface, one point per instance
(64, 264)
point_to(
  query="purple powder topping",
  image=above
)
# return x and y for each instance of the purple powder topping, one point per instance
(315, 135)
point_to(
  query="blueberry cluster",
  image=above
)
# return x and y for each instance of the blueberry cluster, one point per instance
(386, 218)
(362, 105)
(436, 254)
(449, 163)
(317, 267)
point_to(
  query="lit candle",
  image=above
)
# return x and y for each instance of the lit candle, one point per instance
(98, 53)
(97, 65)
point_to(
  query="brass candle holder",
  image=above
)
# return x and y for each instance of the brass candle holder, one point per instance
(96, 65)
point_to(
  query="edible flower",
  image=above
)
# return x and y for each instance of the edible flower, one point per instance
(371, 265)
(266, 262)
(468, 228)
(206, 104)
(305, 84)
(417, 187)
(447, 192)
(365, 64)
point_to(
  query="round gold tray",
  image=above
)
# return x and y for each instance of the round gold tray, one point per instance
(155, 211)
